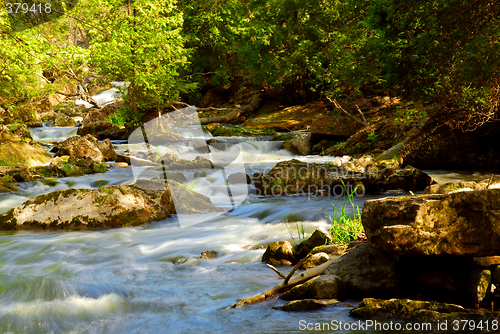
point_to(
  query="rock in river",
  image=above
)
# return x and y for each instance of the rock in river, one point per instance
(111, 206)
(367, 271)
(82, 148)
(463, 224)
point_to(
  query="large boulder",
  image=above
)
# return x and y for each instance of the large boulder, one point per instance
(239, 178)
(23, 154)
(445, 147)
(315, 260)
(429, 316)
(409, 178)
(48, 115)
(169, 158)
(65, 86)
(294, 177)
(85, 148)
(463, 223)
(107, 150)
(291, 118)
(367, 271)
(110, 206)
(180, 199)
(301, 144)
(456, 279)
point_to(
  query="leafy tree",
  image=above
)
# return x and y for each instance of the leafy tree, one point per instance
(18, 55)
(216, 32)
(444, 50)
(309, 47)
(139, 42)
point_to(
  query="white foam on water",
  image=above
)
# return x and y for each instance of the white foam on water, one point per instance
(58, 315)
(9, 201)
(104, 97)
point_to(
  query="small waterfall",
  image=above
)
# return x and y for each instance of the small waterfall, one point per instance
(52, 134)
(106, 96)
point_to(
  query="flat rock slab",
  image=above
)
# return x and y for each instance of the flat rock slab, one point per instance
(439, 317)
(462, 224)
(112, 206)
(307, 304)
(370, 308)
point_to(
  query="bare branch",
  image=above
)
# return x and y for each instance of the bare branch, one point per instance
(294, 269)
(339, 107)
(490, 182)
(361, 113)
(276, 270)
(295, 280)
(43, 78)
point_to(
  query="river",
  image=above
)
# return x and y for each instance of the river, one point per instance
(150, 279)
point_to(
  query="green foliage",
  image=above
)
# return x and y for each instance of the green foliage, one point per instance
(345, 226)
(426, 51)
(313, 48)
(139, 42)
(310, 46)
(117, 119)
(372, 137)
(407, 115)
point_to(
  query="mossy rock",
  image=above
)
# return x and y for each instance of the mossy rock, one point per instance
(22, 154)
(6, 184)
(307, 304)
(429, 311)
(280, 253)
(106, 207)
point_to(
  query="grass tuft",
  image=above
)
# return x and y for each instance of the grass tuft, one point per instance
(346, 227)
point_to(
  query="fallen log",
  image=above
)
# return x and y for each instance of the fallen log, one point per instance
(281, 287)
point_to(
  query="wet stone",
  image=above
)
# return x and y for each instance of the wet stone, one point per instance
(208, 255)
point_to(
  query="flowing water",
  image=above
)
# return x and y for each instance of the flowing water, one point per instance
(150, 279)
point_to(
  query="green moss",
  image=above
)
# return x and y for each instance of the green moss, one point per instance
(7, 221)
(50, 182)
(99, 168)
(276, 182)
(71, 170)
(54, 196)
(5, 183)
